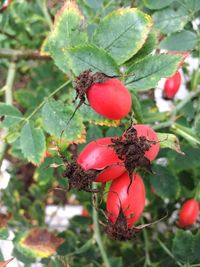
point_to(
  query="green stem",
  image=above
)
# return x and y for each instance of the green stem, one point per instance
(162, 125)
(44, 101)
(179, 106)
(9, 83)
(186, 100)
(97, 235)
(146, 246)
(15, 55)
(168, 252)
(8, 99)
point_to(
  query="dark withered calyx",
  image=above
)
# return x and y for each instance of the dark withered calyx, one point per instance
(131, 149)
(119, 230)
(85, 80)
(79, 178)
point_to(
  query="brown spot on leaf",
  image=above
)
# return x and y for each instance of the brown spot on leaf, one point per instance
(43, 241)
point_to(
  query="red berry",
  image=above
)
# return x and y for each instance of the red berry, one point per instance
(85, 213)
(146, 131)
(172, 85)
(98, 155)
(110, 99)
(188, 214)
(47, 154)
(131, 201)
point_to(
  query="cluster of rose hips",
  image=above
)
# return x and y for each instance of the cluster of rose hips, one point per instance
(116, 158)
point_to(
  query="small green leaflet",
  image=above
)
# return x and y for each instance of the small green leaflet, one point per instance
(182, 41)
(148, 72)
(123, 32)
(168, 20)
(10, 115)
(157, 4)
(147, 48)
(32, 143)
(169, 141)
(89, 115)
(55, 116)
(164, 182)
(67, 32)
(186, 246)
(91, 57)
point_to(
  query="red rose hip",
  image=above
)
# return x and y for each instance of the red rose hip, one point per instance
(98, 155)
(131, 201)
(188, 214)
(172, 85)
(110, 99)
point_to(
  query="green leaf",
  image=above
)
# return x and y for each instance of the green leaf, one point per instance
(55, 116)
(85, 247)
(94, 132)
(169, 141)
(196, 248)
(32, 143)
(70, 243)
(157, 4)
(165, 183)
(123, 32)
(168, 20)
(91, 57)
(12, 115)
(182, 246)
(192, 5)
(182, 41)
(89, 115)
(148, 72)
(67, 32)
(116, 262)
(25, 98)
(147, 48)
(94, 4)
(4, 233)
(54, 263)
(189, 161)
(37, 243)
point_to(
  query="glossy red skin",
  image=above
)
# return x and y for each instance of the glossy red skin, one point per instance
(132, 203)
(97, 155)
(145, 130)
(110, 99)
(188, 213)
(172, 85)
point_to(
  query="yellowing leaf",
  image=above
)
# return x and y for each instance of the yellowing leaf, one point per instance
(123, 32)
(68, 31)
(38, 243)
